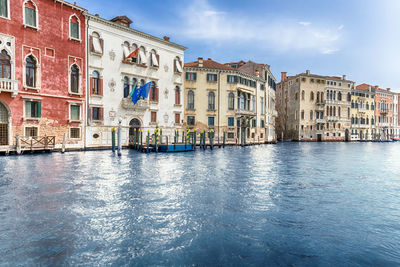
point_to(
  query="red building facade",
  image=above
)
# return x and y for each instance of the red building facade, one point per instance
(42, 71)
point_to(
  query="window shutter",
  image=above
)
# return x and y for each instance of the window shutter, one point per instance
(100, 86)
(91, 43)
(187, 75)
(91, 86)
(102, 45)
(175, 68)
(28, 109)
(156, 93)
(158, 60)
(90, 114)
(101, 114)
(39, 109)
(195, 76)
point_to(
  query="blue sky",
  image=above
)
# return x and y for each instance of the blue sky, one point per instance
(359, 38)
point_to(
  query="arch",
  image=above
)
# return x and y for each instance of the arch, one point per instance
(296, 96)
(190, 100)
(126, 87)
(30, 71)
(30, 14)
(134, 126)
(5, 125)
(311, 115)
(339, 96)
(142, 82)
(231, 101)
(5, 65)
(74, 27)
(153, 92)
(95, 82)
(142, 55)
(303, 95)
(312, 96)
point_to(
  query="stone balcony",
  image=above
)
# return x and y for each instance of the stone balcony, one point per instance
(332, 118)
(10, 86)
(244, 112)
(320, 120)
(362, 110)
(141, 105)
(360, 126)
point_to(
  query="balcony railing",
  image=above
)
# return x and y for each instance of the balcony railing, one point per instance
(7, 85)
(320, 102)
(360, 126)
(384, 111)
(332, 118)
(362, 110)
(320, 120)
(245, 112)
(141, 105)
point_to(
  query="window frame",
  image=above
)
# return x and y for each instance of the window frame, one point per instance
(79, 105)
(80, 133)
(6, 63)
(79, 39)
(190, 106)
(36, 27)
(30, 68)
(213, 121)
(211, 100)
(7, 10)
(37, 111)
(78, 82)
(191, 117)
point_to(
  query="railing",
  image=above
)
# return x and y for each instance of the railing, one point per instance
(245, 112)
(320, 102)
(141, 105)
(385, 111)
(363, 110)
(360, 126)
(7, 85)
(37, 142)
(320, 120)
(332, 118)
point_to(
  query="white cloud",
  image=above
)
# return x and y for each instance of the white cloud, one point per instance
(201, 21)
(305, 23)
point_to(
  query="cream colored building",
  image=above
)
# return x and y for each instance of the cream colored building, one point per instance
(220, 97)
(314, 107)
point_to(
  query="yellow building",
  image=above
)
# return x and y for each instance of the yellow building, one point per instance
(220, 97)
(362, 113)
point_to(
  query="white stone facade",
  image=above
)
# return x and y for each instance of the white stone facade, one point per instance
(158, 60)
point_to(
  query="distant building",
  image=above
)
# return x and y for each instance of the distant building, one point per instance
(314, 107)
(384, 112)
(363, 112)
(239, 100)
(112, 76)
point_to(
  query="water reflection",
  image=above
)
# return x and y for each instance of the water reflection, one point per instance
(287, 204)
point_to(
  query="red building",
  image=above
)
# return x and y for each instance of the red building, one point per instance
(42, 71)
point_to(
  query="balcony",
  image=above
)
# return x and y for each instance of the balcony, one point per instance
(332, 118)
(10, 86)
(320, 120)
(384, 111)
(360, 126)
(362, 110)
(320, 103)
(141, 106)
(244, 112)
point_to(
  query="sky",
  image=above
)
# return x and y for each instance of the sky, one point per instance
(359, 38)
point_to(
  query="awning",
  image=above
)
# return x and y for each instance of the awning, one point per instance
(154, 59)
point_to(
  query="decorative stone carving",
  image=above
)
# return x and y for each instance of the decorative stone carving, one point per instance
(112, 55)
(166, 92)
(166, 117)
(111, 85)
(138, 109)
(166, 68)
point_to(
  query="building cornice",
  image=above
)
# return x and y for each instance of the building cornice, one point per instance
(133, 31)
(225, 71)
(62, 2)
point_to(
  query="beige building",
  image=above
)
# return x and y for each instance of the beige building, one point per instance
(313, 107)
(221, 97)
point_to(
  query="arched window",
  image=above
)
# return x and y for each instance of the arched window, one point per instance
(312, 96)
(302, 95)
(5, 65)
(339, 111)
(352, 120)
(96, 45)
(296, 96)
(318, 97)
(311, 115)
(74, 28)
(135, 83)
(334, 111)
(231, 101)
(30, 71)
(74, 79)
(153, 92)
(327, 111)
(126, 87)
(339, 97)
(154, 58)
(30, 14)
(142, 82)
(348, 112)
(190, 100)
(177, 95)
(254, 104)
(348, 97)
(95, 83)
(242, 101)
(142, 56)
(352, 104)
(3, 125)
(211, 100)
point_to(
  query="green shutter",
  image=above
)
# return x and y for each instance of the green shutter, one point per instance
(28, 109)
(39, 109)
(74, 30)
(30, 16)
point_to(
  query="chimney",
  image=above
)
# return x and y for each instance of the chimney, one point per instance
(200, 60)
(344, 77)
(307, 72)
(257, 73)
(166, 38)
(122, 20)
(97, 15)
(283, 76)
(388, 89)
(369, 88)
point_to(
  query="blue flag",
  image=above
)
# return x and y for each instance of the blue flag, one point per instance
(141, 92)
(145, 90)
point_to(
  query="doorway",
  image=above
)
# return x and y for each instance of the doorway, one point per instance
(134, 126)
(3, 125)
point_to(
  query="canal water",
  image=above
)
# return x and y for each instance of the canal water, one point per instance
(299, 204)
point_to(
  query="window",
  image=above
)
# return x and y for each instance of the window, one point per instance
(4, 8)
(262, 124)
(30, 71)
(262, 105)
(75, 112)
(177, 95)
(74, 133)
(232, 79)
(254, 123)
(31, 131)
(211, 100)
(154, 58)
(190, 120)
(231, 135)
(296, 96)
(311, 115)
(5, 65)
(242, 101)
(126, 87)
(254, 103)
(339, 96)
(30, 14)
(74, 32)
(211, 121)
(153, 116)
(96, 44)
(212, 77)
(32, 109)
(191, 76)
(74, 79)
(177, 118)
(97, 113)
(302, 114)
(348, 97)
(231, 101)
(95, 83)
(312, 96)
(190, 100)
(153, 92)
(142, 56)
(231, 121)
(177, 65)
